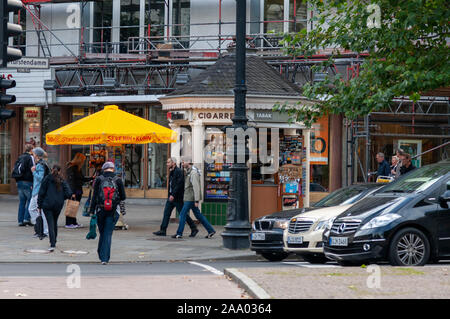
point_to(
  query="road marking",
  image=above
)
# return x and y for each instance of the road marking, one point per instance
(209, 268)
(308, 265)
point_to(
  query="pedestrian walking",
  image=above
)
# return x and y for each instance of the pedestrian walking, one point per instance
(175, 199)
(394, 163)
(383, 166)
(75, 179)
(192, 196)
(53, 192)
(24, 179)
(40, 170)
(407, 165)
(108, 192)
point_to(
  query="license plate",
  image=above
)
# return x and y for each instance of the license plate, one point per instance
(338, 241)
(295, 240)
(258, 236)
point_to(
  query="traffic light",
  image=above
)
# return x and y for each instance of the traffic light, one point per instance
(7, 30)
(6, 99)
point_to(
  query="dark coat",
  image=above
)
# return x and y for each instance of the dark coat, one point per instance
(49, 197)
(97, 190)
(27, 173)
(404, 169)
(176, 184)
(384, 169)
(75, 179)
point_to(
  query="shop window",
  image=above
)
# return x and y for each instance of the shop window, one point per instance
(51, 121)
(77, 114)
(102, 26)
(157, 153)
(32, 125)
(5, 153)
(133, 155)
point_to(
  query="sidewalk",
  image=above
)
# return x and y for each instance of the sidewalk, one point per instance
(137, 244)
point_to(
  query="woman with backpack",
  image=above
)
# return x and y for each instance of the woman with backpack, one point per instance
(109, 191)
(75, 179)
(52, 194)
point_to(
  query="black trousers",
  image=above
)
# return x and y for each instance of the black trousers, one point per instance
(168, 211)
(52, 221)
(73, 220)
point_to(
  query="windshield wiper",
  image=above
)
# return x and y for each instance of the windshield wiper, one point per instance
(395, 191)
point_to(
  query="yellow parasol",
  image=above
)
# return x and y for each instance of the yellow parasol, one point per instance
(111, 126)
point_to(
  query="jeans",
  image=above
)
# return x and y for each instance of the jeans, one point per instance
(168, 211)
(24, 189)
(105, 222)
(52, 221)
(185, 210)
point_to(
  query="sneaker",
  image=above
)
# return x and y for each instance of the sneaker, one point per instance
(43, 236)
(194, 232)
(104, 263)
(70, 226)
(159, 233)
(51, 249)
(22, 224)
(35, 235)
(28, 223)
(78, 226)
(210, 235)
(177, 236)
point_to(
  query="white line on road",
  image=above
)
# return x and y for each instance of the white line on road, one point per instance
(209, 268)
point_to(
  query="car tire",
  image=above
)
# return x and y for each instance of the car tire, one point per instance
(275, 256)
(315, 259)
(409, 247)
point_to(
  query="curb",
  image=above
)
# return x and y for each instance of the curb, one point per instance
(247, 284)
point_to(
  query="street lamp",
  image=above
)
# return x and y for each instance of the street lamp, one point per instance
(237, 229)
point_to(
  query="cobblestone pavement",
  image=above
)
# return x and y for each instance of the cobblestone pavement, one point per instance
(354, 282)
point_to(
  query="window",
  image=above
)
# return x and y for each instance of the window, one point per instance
(5, 153)
(102, 25)
(157, 14)
(157, 153)
(129, 22)
(181, 21)
(273, 16)
(297, 20)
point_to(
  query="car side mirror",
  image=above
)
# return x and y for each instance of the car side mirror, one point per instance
(444, 199)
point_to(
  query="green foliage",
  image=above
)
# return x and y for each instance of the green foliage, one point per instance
(407, 55)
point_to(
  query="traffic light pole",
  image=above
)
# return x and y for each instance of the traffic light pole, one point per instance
(237, 229)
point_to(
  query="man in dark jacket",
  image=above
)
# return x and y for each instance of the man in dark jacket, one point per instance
(25, 185)
(107, 215)
(383, 167)
(175, 199)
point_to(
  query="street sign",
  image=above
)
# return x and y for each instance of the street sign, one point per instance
(30, 63)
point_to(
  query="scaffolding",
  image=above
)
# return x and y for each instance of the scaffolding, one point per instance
(154, 64)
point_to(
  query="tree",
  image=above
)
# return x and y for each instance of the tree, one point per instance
(405, 49)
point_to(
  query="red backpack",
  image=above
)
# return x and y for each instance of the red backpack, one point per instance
(109, 193)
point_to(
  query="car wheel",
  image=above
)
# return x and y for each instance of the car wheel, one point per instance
(409, 247)
(275, 256)
(314, 259)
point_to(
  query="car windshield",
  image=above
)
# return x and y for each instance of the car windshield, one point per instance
(338, 197)
(417, 180)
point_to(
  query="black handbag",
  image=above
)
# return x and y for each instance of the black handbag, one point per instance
(39, 227)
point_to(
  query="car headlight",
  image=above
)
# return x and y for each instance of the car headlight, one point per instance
(253, 226)
(283, 224)
(324, 224)
(381, 221)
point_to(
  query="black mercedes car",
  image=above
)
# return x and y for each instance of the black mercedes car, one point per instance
(407, 222)
(266, 237)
